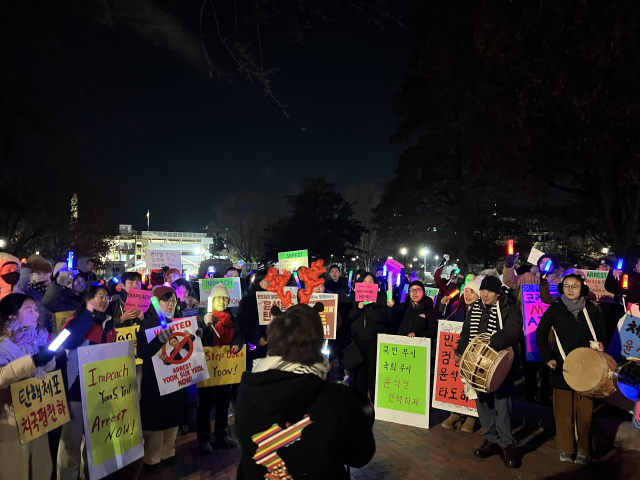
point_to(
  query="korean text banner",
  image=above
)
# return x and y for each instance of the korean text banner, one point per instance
(110, 407)
(181, 361)
(366, 292)
(140, 299)
(162, 258)
(532, 310)
(402, 381)
(225, 367)
(39, 405)
(291, 261)
(329, 316)
(233, 288)
(124, 334)
(448, 389)
(266, 300)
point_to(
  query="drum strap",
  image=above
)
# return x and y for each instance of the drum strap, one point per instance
(564, 357)
(586, 315)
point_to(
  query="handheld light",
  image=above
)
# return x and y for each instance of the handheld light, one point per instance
(398, 281)
(210, 305)
(350, 276)
(115, 280)
(70, 261)
(384, 271)
(454, 293)
(620, 264)
(156, 305)
(625, 281)
(510, 247)
(295, 275)
(59, 340)
(548, 265)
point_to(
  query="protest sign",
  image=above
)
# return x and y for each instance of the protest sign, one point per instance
(163, 258)
(393, 266)
(124, 334)
(225, 367)
(402, 386)
(110, 407)
(534, 256)
(448, 389)
(39, 405)
(291, 261)
(532, 310)
(595, 282)
(181, 361)
(233, 288)
(433, 293)
(266, 300)
(140, 299)
(636, 417)
(329, 316)
(366, 292)
(62, 317)
(630, 336)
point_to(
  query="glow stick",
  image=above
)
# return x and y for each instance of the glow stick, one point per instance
(620, 263)
(115, 280)
(295, 275)
(325, 348)
(390, 283)
(398, 281)
(384, 271)
(156, 305)
(59, 340)
(350, 275)
(625, 281)
(210, 305)
(454, 293)
(547, 267)
(510, 247)
(70, 261)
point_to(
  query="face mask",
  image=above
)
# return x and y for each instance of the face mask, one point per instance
(10, 278)
(168, 316)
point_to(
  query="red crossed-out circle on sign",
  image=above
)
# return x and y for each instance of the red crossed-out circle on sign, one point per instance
(170, 357)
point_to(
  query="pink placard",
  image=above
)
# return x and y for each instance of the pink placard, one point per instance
(393, 265)
(366, 292)
(140, 299)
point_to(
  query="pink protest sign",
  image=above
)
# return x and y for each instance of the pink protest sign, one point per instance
(393, 265)
(366, 292)
(140, 299)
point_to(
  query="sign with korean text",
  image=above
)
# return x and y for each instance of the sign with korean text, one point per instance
(402, 381)
(532, 310)
(366, 292)
(630, 337)
(140, 299)
(329, 316)
(433, 293)
(636, 417)
(393, 266)
(291, 261)
(181, 361)
(233, 288)
(225, 367)
(62, 317)
(595, 282)
(40, 405)
(162, 258)
(124, 334)
(266, 300)
(110, 407)
(448, 389)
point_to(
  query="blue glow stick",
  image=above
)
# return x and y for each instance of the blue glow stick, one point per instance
(398, 281)
(115, 280)
(547, 267)
(70, 261)
(350, 275)
(620, 263)
(384, 271)
(295, 275)
(156, 305)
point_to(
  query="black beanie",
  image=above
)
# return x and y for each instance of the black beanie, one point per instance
(493, 284)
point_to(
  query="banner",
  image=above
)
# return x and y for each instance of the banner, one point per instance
(162, 258)
(448, 389)
(225, 368)
(124, 334)
(266, 300)
(532, 310)
(40, 405)
(181, 361)
(110, 407)
(62, 317)
(393, 266)
(402, 382)
(329, 316)
(291, 261)
(595, 282)
(233, 288)
(366, 292)
(140, 299)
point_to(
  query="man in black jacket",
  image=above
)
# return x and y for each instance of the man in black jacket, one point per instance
(493, 313)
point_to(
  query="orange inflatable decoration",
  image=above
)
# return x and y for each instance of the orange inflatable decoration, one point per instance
(277, 282)
(310, 278)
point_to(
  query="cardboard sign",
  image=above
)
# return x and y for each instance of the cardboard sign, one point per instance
(448, 389)
(225, 368)
(233, 288)
(329, 316)
(62, 317)
(163, 258)
(366, 292)
(110, 407)
(291, 261)
(532, 310)
(40, 405)
(124, 334)
(534, 256)
(402, 383)
(140, 299)
(394, 266)
(595, 282)
(181, 361)
(266, 300)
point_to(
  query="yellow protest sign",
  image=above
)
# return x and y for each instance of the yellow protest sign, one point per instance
(111, 407)
(129, 333)
(225, 368)
(40, 405)
(62, 317)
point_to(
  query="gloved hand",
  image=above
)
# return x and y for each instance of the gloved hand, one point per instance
(43, 356)
(164, 335)
(64, 278)
(511, 260)
(199, 332)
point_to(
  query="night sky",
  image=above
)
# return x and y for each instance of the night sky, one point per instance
(165, 137)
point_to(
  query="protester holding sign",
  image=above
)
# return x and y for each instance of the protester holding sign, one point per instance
(90, 325)
(614, 282)
(22, 354)
(249, 320)
(416, 315)
(128, 318)
(570, 320)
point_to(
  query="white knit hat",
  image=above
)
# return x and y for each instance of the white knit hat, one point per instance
(219, 291)
(474, 285)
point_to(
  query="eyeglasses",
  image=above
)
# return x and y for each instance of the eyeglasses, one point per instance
(415, 290)
(103, 297)
(169, 302)
(575, 286)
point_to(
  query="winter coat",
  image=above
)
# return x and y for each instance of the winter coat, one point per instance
(248, 319)
(339, 432)
(573, 333)
(5, 288)
(514, 281)
(158, 412)
(455, 312)
(368, 322)
(82, 266)
(444, 286)
(209, 337)
(67, 301)
(116, 310)
(632, 293)
(420, 319)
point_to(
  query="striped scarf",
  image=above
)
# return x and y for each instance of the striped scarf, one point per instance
(476, 316)
(277, 363)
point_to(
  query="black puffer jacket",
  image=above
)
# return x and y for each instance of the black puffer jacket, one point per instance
(420, 318)
(370, 320)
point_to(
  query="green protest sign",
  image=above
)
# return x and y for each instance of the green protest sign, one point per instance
(291, 261)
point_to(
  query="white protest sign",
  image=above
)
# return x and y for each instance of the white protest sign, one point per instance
(233, 287)
(266, 300)
(534, 256)
(162, 258)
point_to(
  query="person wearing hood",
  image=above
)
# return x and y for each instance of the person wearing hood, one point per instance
(416, 314)
(494, 314)
(330, 424)
(161, 415)
(89, 325)
(9, 274)
(23, 354)
(218, 328)
(70, 298)
(570, 319)
(85, 265)
(39, 273)
(249, 321)
(128, 318)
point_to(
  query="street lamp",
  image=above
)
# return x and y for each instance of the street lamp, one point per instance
(424, 255)
(1, 243)
(196, 250)
(403, 251)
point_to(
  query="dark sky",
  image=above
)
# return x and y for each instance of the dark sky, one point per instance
(177, 142)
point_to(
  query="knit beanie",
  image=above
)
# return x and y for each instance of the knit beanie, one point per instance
(41, 269)
(219, 291)
(173, 271)
(474, 285)
(160, 291)
(492, 284)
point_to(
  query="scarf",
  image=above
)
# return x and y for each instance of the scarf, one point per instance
(224, 327)
(39, 287)
(574, 306)
(28, 339)
(476, 317)
(277, 363)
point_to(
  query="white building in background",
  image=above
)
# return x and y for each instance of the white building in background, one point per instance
(129, 248)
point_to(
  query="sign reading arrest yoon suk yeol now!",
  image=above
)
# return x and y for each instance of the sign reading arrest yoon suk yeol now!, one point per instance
(291, 261)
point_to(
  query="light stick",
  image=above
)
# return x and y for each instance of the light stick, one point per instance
(295, 275)
(389, 286)
(156, 305)
(548, 265)
(210, 305)
(325, 348)
(454, 293)
(510, 247)
(70, 261)
(620, 263)
(350, 276)
(398, 281)
(384, 271)
(59, 340)
(625, 281)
